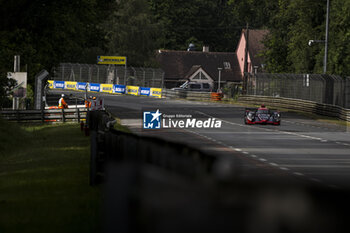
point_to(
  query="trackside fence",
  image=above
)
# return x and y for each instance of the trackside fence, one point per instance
(152, 185)
(323, 89)
(109, 74)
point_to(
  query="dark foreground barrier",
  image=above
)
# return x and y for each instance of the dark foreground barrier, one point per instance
(151, 185)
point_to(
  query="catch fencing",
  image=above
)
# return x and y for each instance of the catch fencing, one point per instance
(109, 74)
(325, 89)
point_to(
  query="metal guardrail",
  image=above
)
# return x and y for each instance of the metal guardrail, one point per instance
(63, 115)
(300, 105)
(109, 145)
(320, 88)
(190, 95)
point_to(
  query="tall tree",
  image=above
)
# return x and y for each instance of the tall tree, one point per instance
(202, 22)
(131, 31)
(339, 38)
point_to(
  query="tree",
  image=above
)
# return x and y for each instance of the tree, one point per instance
(131, 31)
(339, 38)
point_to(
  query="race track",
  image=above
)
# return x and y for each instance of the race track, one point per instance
(299, 150)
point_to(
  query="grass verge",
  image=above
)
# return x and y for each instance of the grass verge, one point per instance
(44, 180)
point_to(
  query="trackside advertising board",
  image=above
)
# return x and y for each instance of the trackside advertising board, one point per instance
(70, 85)
(132, 90)
(113, 60)
(95, 87)
(81, 86)
(106, 88)
(156, 92)
(145, 91)
(59, 84)
(50, 83)
(119, 89)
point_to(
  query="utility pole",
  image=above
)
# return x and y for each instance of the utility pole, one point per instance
(219, 87)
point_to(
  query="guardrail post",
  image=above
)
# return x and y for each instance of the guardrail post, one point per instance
(78, 114)
(42, 114)
(63, 116)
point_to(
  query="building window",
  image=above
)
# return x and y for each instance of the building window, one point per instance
(197, 76)
(227, 65)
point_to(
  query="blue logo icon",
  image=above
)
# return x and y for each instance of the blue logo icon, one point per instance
(151, 120)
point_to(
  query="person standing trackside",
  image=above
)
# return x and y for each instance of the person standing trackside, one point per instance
(62, 103)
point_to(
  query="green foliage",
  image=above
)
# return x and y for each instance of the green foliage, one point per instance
(339, 52)
(131, 31)
(298, 21)
(46, 33)
(204, 22)
(6, 87)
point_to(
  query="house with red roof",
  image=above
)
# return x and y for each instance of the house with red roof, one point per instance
(210, 67)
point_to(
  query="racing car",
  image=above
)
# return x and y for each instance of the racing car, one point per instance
(262, 115)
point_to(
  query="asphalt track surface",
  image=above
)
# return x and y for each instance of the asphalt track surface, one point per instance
(299, 150)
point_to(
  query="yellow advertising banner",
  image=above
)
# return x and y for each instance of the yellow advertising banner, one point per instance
(156, 92)
(71, 85)
(132, 90)
(107, 88)
(50, 82)
(111, 60)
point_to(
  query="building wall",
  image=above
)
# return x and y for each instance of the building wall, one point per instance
(241, 55)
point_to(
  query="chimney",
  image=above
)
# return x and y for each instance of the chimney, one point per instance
(206, 48)
(17, 65)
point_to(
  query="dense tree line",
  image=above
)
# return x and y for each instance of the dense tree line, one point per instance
(46, 33)
(294, 23)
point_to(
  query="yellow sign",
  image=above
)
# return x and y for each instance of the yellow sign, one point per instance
(111, 60)
(50, 82)
(132, 90)
(108, 88)
(71, 85)
(156, 92)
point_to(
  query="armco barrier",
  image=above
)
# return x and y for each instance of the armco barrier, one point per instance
(190, 95)
(45, 115)
(300, 105)
(109, 145)
(106, 88)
